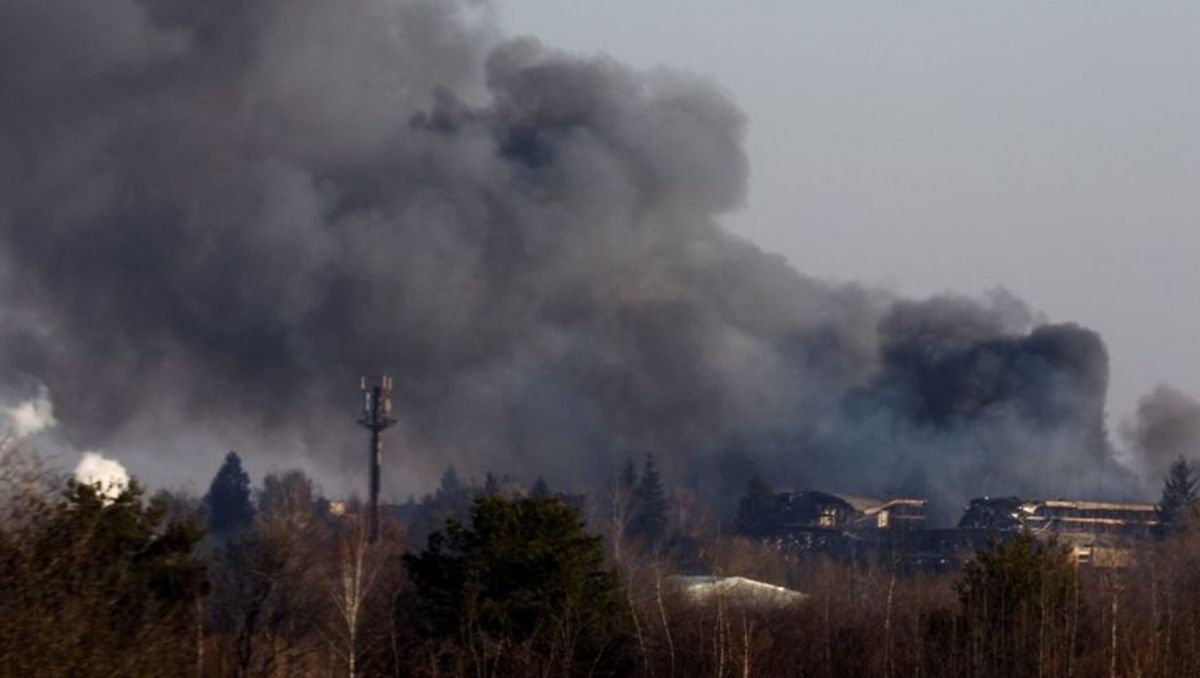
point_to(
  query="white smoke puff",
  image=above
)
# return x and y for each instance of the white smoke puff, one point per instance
(95, 468)
(30, 417)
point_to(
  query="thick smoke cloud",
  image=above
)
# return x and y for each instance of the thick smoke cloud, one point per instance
(215, 216)
(1167, 427)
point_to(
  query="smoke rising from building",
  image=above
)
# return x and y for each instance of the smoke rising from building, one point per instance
(215, 216)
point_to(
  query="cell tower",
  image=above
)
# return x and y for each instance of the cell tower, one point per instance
(376, 416)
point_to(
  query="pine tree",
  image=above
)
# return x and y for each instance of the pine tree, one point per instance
(1178, 504)
(92, 583)
(756, 506)
(628, 478)
(491, 486)
(450, 481)
(757, 487)
(540, 489)
(650, 504)
(512, 581)
(451, 500)
(1020, 602)
(228, 498)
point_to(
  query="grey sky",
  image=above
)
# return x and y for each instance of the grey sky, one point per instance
(1052, 148)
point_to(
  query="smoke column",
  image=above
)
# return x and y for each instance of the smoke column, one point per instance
(215, 216)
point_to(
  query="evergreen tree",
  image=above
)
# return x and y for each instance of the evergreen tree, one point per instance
(1020, 606)
(757, 487)
(228, 500)
(650, 504)
(540, 489)
(451, 500)
(523, 579)
(628, 478)
(756, 507)
(491, 486)
(1178, 503)
(92, 584)
(451, 484)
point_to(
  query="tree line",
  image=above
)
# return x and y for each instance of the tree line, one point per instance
(490, 578)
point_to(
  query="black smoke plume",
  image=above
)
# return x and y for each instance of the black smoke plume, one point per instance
(215, 215)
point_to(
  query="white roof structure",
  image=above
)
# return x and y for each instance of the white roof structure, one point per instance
(738, 591)
(872, 505)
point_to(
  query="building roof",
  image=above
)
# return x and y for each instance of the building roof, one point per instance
(870, 505)
(1099, 505)
(738, 591)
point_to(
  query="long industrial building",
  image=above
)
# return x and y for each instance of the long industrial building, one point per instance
(1098, 533)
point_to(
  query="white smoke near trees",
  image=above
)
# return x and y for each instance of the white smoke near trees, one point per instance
(108, 474)
(27, 418)
(215, 216)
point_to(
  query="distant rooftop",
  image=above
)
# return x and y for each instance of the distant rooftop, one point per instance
(739, 591)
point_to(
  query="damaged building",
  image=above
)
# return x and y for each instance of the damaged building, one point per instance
(1063, 518)
(843, 525)
(1097, 532)
(791, 511)
(837, 524)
